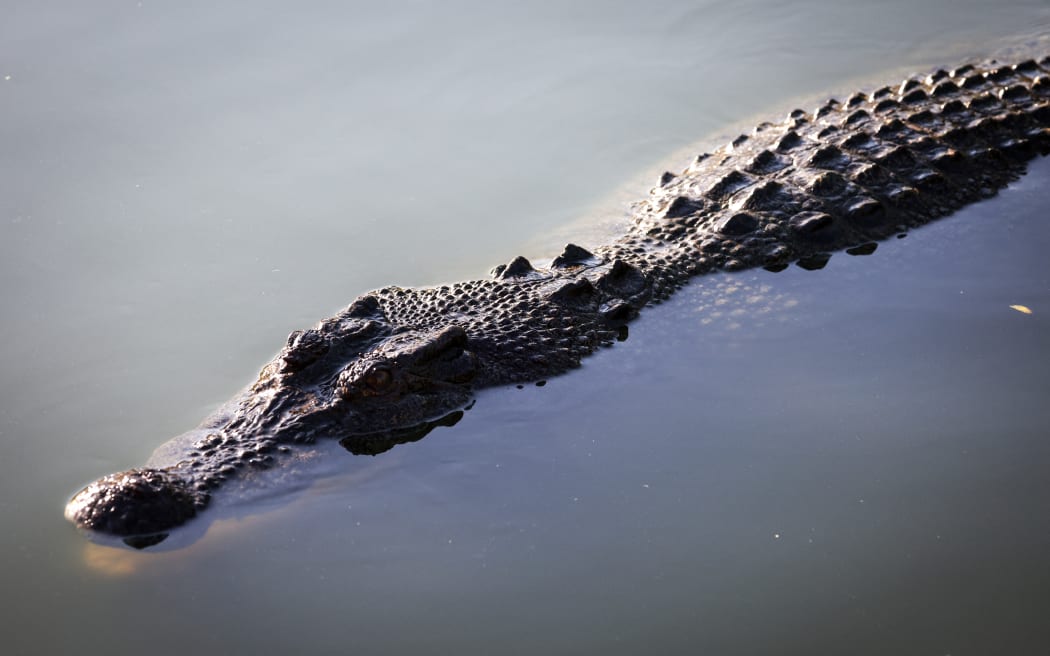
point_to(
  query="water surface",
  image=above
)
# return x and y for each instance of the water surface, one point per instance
(810, 462)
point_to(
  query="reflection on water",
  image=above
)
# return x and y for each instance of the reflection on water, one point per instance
(733, 303)
(845, 459)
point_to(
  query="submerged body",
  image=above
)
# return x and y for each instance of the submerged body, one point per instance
(398, 361)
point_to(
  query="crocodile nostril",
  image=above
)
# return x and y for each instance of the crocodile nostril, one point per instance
(135, 502)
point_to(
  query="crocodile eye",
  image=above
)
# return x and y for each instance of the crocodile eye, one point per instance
(378, 380)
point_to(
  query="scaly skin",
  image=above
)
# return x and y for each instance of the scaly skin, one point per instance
(398, 361)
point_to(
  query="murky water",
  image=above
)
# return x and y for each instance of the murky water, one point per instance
(809, 462)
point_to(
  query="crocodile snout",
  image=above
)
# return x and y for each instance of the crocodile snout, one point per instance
(135, 502)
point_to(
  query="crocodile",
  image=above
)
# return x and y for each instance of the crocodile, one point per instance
(397, 362)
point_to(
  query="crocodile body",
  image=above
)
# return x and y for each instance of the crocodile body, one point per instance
(398, 361)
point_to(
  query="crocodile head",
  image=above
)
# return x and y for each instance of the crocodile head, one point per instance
(355, 377)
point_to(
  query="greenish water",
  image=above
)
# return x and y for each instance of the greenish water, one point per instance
(810, 462)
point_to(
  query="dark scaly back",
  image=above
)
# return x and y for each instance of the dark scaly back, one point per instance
(843, 176)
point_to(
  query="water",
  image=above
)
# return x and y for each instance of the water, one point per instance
(851, 459)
